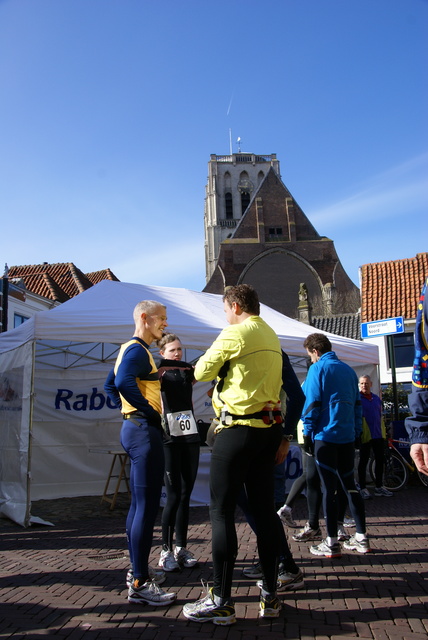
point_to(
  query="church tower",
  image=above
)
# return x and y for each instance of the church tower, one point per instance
(256, 233)
(232, 182)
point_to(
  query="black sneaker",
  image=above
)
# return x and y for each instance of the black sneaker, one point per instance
(270, 605)
(254, 571)
(207, 610)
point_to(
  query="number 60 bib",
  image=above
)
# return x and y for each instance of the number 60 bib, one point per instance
(181, 423)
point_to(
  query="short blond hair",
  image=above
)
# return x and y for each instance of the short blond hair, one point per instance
(146, 306)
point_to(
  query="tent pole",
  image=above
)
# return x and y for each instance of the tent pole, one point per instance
(30, 434)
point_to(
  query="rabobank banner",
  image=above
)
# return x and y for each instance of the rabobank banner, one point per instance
(79, 396)
(73, 394)
(73, 421)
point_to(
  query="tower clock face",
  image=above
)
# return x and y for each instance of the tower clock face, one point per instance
(245, 186)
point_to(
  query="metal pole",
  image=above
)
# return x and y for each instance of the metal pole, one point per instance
(391, 356)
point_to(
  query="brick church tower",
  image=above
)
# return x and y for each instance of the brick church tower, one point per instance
(256, 233)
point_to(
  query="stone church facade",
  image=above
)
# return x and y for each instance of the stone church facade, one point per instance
(256, 233)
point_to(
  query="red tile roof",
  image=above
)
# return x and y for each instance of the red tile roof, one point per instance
(105, 274)
(60, 281)
(392, 289)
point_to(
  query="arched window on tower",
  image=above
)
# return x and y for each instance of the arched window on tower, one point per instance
(245, 200)
(260, 176)
(245, 188)
(228, 203)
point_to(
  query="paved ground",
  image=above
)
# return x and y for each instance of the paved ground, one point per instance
(67, 581)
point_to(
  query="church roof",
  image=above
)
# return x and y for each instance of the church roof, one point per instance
(391, 289)
(346, 325)
(58, 281)
(273, 192)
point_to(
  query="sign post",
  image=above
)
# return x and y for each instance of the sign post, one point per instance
(387, 328)
(382, 327)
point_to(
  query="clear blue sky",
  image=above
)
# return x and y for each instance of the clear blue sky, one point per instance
(110, 109)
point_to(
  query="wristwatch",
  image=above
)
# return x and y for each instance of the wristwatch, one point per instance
(288, 437)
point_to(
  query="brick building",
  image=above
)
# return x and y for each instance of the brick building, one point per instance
(256, 233)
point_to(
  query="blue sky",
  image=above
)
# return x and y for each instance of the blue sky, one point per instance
(110, 109)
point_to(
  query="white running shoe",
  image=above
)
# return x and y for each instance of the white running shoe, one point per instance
(211, 608)
(185, 558)
(167, 561)
(362, 546)
(307, 533)
(150, 593)
(342, 534)
(286, 515)
(348, 522)
(157, 575)
(324, 549)
(365, 494)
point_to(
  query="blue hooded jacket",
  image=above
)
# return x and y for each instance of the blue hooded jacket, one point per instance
(332, 410)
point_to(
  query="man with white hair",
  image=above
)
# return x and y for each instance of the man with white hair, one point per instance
(134, 386)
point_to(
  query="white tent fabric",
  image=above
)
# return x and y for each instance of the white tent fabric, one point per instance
(103, 313)
(60, 358)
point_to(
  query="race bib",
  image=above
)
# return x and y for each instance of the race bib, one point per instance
(181, 423)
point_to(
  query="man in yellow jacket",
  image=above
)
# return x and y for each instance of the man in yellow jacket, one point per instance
(246, 358)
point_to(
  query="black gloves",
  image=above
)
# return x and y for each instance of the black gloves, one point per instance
(308, 445)
(357, 443)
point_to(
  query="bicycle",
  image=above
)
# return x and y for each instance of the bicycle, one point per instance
(397, 467)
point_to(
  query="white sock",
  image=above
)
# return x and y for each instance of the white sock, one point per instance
(359, 537)
(331, 541)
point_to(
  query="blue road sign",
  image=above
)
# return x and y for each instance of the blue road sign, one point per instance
(382, 327)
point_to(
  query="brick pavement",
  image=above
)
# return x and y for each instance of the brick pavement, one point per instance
(67, 581)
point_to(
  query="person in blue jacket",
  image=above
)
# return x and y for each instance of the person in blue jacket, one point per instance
(332, 422)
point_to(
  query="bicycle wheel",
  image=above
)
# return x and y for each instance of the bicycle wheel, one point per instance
(395, 474)
(423, 478)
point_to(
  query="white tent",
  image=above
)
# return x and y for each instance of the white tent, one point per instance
(53, 409)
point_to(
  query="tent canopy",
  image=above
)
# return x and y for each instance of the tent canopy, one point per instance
(103, 314)
(55, 416)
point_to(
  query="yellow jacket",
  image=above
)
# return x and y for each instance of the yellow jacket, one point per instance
(254, 374)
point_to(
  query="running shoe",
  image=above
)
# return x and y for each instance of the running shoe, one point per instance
(342, 534)
(286, 515)
(254, 571)
(167, 561)
(157, 575)
(287, 581)
(324, 549)
(150, 593)
(185, 558)
(270, 605)
(348, 522)
(383, 491)
(365, 494)
(307, 533)
(210, 609)
(362, 546)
